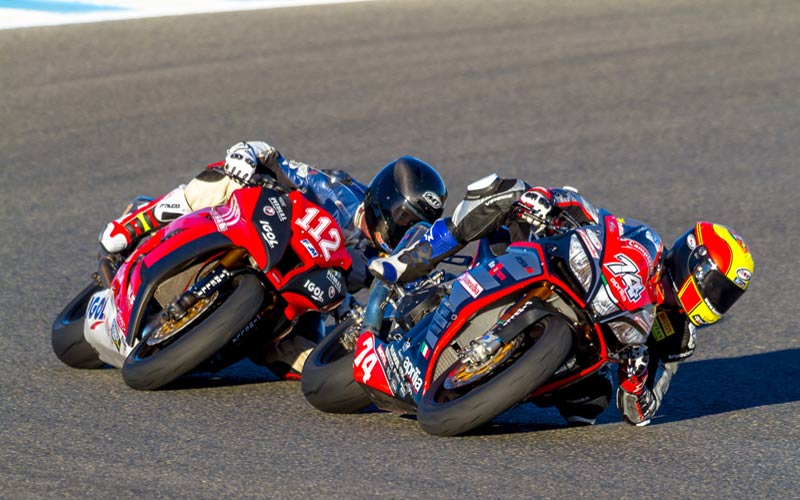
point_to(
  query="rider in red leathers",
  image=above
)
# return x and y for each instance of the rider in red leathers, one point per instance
(706, 271)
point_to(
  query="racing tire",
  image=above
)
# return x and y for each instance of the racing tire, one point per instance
(327, 381)
(67, 337)
(149, 367)
(445, 413)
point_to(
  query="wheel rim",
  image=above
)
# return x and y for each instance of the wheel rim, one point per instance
(469, 373)
(462, 378)
(167, 328)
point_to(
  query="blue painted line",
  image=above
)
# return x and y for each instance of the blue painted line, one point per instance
(60, 7)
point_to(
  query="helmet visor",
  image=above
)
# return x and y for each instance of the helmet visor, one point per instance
(720, 292)
(398, 218)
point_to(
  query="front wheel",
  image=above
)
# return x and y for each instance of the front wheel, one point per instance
(465, 397)
(67, 338)
(327, 381)
(208, 326)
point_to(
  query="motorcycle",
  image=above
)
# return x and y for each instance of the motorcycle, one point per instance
(201, 292)
(516, 326)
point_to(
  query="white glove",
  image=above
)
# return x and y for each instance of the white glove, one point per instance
(535, 209)
(241, 161)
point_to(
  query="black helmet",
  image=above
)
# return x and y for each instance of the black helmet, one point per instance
(404, 192)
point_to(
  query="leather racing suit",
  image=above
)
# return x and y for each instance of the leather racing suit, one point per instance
(333, 190)
(492, 203)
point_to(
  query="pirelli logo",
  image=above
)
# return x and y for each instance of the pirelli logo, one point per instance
(662, 328)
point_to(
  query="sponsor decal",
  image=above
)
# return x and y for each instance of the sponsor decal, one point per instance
(691, 242)
(425, 350)
(222, 226)
(381, 354)
(470, 284)
(268, 234)
(628, 272)
(711, 308)
(639, 248)
(97, 308)
(742, 278)
(315, 291)
(213, 283)
(277, 206)
(269, 211)
(500, 198)
(331, 292)
(249, 326)
(432, 199)
(497, 271)
(116, 336)
(657, 332)
(229, 216)
(665, 323)
(311, 250)
(315, 226)
(335, 278)
(412, 374)
(517, 312)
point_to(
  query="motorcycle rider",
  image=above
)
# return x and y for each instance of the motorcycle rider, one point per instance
(707, 269)
(373, 219)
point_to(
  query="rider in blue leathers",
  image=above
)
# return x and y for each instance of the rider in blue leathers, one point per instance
(373, 218)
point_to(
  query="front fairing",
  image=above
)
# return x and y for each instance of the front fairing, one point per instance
(285, 237)
(403, 368)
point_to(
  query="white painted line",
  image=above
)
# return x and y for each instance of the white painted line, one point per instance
(28, 13)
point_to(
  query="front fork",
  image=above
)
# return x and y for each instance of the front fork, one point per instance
(208, 285)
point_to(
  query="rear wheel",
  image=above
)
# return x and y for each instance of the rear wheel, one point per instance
(170, 349)
(327, 381)
(468, 395)
(67, 338)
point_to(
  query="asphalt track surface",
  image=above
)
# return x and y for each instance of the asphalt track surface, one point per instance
(667, 111)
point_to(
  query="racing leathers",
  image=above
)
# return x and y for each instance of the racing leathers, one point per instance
(333, 190)
(493, 203)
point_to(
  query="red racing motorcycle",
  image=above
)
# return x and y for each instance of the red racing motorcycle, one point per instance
(201, 292)
(514, 327)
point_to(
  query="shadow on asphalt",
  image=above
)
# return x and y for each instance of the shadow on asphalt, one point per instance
(699, 389)
(715, 386)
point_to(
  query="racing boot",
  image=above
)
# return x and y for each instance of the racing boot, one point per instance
(139, 220)
(419, 258)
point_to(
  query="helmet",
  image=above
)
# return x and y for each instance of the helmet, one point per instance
(710, 268)
(404, 192)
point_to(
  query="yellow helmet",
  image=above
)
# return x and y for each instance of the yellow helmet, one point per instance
(710, 268)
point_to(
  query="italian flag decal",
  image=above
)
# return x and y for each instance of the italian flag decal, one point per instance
(425, 350)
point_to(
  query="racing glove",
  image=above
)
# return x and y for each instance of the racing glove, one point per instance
(534, 207)
(241, 162)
